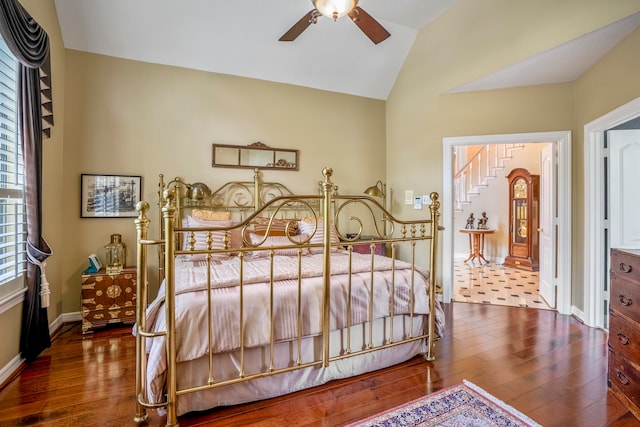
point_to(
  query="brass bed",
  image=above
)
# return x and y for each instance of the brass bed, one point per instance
(261, 296)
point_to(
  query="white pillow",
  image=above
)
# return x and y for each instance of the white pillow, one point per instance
(306, 227)
(201, 236)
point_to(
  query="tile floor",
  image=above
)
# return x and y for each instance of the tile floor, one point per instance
(495, 284)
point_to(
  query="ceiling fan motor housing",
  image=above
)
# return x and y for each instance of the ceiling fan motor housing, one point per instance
(334, 9)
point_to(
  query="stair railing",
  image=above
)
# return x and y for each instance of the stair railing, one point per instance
(482, 166)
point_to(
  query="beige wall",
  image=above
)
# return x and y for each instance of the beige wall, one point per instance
(128, 117)
(420, 112)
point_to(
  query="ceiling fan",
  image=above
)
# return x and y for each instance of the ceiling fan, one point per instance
(335, 9)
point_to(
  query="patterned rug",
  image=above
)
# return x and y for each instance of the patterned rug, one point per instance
(462, 405)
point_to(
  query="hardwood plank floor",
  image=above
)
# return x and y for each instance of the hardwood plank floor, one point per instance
(548, 366)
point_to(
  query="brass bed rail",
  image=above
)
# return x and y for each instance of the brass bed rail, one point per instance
(330, 206)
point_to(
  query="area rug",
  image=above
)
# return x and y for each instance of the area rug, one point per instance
(462, 405)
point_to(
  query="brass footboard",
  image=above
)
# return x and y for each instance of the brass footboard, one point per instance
(347, 281)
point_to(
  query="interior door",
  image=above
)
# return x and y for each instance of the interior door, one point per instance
(547, 227)
(624, 196)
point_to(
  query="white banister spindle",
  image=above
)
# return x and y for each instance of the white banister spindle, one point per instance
(476, 171)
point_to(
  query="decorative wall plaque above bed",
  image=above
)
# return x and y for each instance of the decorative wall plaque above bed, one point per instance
(256, 155)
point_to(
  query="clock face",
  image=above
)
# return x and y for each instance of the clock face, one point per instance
(522, 231)
(520, 189)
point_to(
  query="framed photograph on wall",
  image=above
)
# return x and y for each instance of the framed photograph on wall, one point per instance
(109, 196)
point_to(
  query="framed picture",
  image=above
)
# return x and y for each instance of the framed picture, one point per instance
(109, 196)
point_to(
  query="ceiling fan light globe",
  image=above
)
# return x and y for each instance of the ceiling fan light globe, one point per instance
(334, 9)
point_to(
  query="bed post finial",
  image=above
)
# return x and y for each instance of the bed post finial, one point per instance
(327, 172)
(435, 205)
(142, 207)
(168, 195)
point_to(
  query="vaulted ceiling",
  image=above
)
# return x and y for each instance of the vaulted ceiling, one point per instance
(241, 38)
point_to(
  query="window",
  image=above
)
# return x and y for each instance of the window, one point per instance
(13, 227)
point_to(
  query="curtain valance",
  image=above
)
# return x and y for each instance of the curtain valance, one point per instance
(29, 43)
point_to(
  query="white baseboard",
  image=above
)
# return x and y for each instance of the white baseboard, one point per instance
(10, 368)
(578, 313)
(64, 318)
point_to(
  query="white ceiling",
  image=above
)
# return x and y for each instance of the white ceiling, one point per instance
(241, 38)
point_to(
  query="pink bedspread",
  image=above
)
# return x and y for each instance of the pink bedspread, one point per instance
(191, 301)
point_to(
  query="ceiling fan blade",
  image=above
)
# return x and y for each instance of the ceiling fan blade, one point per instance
(368, 25)
(299, 27)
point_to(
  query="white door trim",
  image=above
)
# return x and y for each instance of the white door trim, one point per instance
(563, 141)
(594, 256)
(547, 233)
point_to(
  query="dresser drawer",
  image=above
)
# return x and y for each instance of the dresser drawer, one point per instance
(624, 378)
(624, 337)
(625, 265)
(92, 319)
(625, 298)
(94, 293)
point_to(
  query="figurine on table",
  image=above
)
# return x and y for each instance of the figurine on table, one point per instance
(470, 222)
(482, 222)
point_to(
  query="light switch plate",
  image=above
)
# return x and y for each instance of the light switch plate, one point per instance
(408, 197)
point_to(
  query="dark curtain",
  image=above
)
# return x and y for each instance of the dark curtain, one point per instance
(30, 45)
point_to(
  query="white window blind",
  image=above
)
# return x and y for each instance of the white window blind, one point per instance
(13, 227)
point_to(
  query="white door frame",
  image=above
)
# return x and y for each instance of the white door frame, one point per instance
(547, 232)
(562, 139)
(594, 203)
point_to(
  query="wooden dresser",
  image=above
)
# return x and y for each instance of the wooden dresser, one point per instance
(108, 298)
(624, 328)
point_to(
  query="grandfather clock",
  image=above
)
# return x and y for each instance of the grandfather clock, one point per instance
(524, 213)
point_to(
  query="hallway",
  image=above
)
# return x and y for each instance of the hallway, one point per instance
(495, 284)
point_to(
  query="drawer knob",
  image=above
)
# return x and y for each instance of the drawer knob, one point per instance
(623, 339)
(625, 268)
(622, 378)
(624, 300)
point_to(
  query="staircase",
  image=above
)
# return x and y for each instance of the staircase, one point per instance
(478, 170)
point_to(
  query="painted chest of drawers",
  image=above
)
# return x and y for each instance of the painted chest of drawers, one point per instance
(624, 328)
(108, 298)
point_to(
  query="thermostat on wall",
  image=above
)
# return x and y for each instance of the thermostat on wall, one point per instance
(417, 202)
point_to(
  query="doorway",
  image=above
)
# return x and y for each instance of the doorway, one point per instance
(507, 270)
(595, 236)
(561, 208)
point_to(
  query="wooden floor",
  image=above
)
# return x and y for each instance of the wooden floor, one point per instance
(548, 366)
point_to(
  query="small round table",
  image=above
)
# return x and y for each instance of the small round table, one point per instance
(476, 243)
